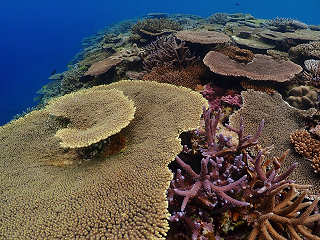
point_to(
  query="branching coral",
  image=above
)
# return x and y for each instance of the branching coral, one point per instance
(286, 24)
(286, 214)
(217, 96)
(281, 120)
(167, 51)
(149, 29)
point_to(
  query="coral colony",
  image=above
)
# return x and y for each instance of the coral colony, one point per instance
(172, 127)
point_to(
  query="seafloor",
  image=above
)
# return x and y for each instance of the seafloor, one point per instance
(172, 127)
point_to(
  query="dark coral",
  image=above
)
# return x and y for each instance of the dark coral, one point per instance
(189, 77)
(167, 51)
(149, 29)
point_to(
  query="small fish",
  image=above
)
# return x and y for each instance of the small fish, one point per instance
(54, 71)
(237, 4)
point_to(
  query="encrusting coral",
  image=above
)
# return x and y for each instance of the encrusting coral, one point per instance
(91, 115)
(121, 197)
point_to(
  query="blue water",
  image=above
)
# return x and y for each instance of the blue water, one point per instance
(37, 37)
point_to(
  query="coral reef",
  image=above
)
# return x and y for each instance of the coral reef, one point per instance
(106, 162)
(217, 96)
(188, 77)
(237, 54)
(91, 115)
(285, 24)
(278, 71)
(232, 182)
(305, 51)
(257, 106)
(121, 197)
(167, 51)
(102, 66)
(203, 37)
(307, 146)
(302, 97)
(219, 18)
(148, 29)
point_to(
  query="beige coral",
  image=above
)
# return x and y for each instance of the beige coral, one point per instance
(121, 197)
(92, 115)
(307, 146)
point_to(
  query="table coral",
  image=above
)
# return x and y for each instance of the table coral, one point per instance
(278, 71)
(92, 116)
(121, 197)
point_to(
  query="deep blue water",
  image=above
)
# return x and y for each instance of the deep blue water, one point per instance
(39, 36)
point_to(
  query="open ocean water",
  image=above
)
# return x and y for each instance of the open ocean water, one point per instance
(39, 37)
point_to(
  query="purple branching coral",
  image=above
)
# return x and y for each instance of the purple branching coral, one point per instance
(167, 51)
(207, 181)
(228, 190)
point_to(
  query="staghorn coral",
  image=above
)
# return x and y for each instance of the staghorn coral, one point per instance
(302, 97)
(188, 77)
(221, 179)
(290, 214)
(266, 204)
(312, 75)
(280, 121)
(278, 71)
(167, 51)
(121, 197)
(307, 146)
(92, 116)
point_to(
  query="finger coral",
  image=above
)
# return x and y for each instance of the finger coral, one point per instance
(121, 197)
(92, 116)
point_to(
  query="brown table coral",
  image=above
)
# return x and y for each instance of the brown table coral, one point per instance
(263, 67)
(121, 197)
